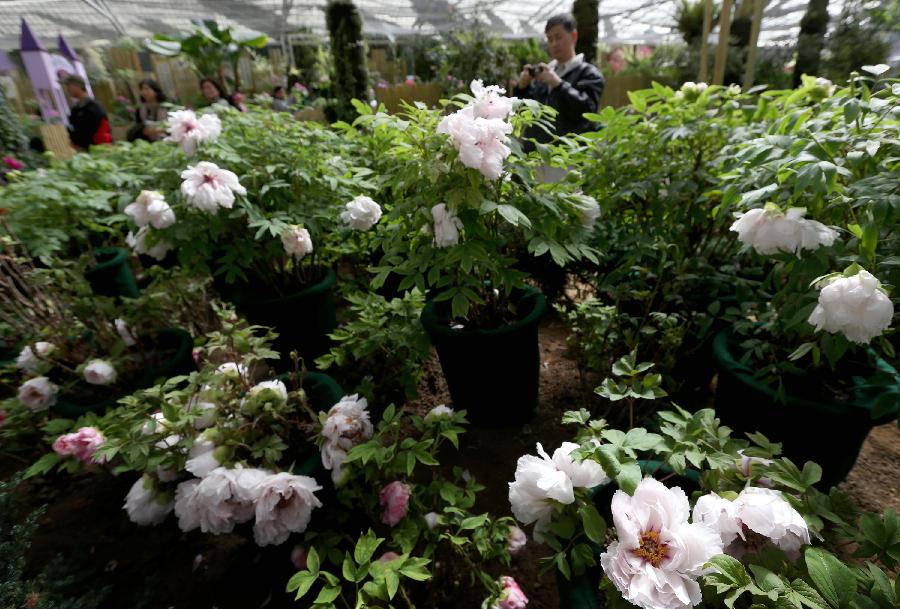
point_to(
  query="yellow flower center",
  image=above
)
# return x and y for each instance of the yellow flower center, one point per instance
(651, 549)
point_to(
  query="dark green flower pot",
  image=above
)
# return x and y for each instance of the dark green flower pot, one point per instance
(112, 276)
(303, 320)
(174, 340)
(828, 433)
(323, 393)
(493, 374)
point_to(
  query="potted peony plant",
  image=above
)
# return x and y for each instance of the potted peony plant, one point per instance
(466, 206)
(262, 234)
(812, 197)
(748, 529)
(79, 352)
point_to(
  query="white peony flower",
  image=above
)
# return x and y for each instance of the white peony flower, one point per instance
(38, 393)
(346, 425)
(201, 458)
(208, 410)
(284, 505)
(439, 412)
(138, 242)
(756, 516)
(362, 213)
(659, 554)
(432, 519)
(446, 226)
(156, 422)
(29, 360)
(151, 208)
(516, 540)
(145, 507)
(125, 333)
(207, 186)
(876, 70)
(590, 212)
(190, 130)
(100, 372)
(770, 231)
(296, 242)
(232, 369)
(490, 101)
(694, 87)
(277, 386)
(481, 142)
(854, 306)
(223, 498)
(539, 481)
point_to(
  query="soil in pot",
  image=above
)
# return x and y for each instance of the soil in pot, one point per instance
(112, 276)
(491, 373)
(811, 424)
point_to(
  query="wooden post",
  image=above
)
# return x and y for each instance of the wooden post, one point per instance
(722, 49)
(750, 68)
(704, 41)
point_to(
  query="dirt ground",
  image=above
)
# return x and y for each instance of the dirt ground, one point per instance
(85, 522)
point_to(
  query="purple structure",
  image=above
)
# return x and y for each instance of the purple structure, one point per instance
(70, 54)
(44, 79)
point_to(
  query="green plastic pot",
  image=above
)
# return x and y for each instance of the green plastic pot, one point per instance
(181, 362)
(829, 433)
(323, 393)
(303, 320)
(580, 592)
(112, 276)
(493, 374)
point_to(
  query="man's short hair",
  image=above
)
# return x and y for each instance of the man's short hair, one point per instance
(566, 20)
(74, 79)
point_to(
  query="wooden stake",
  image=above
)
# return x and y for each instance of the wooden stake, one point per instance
(704, 41)
(722, 49)
(750, 68)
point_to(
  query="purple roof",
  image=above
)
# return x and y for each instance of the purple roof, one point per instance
(67, 51)
(29, 41)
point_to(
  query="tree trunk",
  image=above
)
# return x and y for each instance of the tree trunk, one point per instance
(811, 39)
(587, 16)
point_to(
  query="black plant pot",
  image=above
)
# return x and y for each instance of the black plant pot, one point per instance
(493, 374)
(174, 340)
(112, 276)
(303, 320)
(828, 433)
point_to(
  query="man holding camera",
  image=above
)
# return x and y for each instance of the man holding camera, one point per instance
(568, 83)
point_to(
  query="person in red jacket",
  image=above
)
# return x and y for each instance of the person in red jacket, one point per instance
(88, 123)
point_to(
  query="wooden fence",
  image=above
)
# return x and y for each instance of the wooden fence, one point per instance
(392, 96)
(615, 93)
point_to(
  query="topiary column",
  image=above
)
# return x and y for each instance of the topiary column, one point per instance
(587, 16)
(351, 77)
(12, 135)
(811, 39)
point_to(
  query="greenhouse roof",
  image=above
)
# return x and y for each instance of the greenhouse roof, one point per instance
(98, 21)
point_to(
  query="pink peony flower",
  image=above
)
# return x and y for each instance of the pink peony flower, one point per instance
(13, 163)
(388, 557)
(2, 417)
(394, 498)
(81, 444)
(511, 597)
(516, 539)
(299, 557)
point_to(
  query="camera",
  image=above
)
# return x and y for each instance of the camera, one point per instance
(535, 70)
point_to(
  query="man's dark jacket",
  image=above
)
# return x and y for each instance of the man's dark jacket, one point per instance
(84, 121)
(579, 92)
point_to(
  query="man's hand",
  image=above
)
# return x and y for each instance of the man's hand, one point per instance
(525, 77)
(548, 77)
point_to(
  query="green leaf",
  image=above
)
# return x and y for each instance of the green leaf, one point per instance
(301, 582)
(328, 594)
(594, 525)
(43, 465)
(392, 581)
(313, 562)
(832, 578)
(365, 547)
(473, 522)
